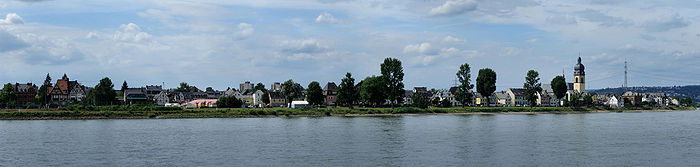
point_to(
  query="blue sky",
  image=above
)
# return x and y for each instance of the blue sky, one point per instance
(223, 43)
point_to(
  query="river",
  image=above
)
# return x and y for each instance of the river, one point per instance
(597, 139)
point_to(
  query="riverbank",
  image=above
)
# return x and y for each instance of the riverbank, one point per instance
(35, 114)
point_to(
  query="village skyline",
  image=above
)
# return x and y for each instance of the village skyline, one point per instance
(219, 44)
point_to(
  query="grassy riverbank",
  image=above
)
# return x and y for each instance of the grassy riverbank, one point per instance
(112, 112)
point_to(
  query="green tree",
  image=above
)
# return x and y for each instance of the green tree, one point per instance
(124, 86)
(373, 90)
(314, 94)
(210, 89)
(587, 100)
(347, 92)
(43, 93)
(184, 87)
(104, 93)
(464, 95)
(687, 101)
(7, 95)
(291, 90)
(445, 103)
(229, 102)
(259, 86)
(486, 83)
(392, 71)
(559, 86)
(266, 97)
(532, 85)
(418, 101)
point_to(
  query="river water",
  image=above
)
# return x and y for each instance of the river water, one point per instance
(600, 139)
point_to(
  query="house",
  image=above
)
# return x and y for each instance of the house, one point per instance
(408, 97)
(331, 93)
(257, 98)
(67, 92)
(153, 90)
(162, 98)
(633, 98)
(502, 99)
(25, 93)
(657, 99)
(546, 97)
(615, 101)
(450, 95)
(517, 96)
(276, 99)
(135, 96)
(183, 97)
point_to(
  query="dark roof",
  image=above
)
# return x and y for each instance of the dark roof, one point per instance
(420, 89)
(518, 91)
(276, 95)
(454, 89)
(408, 93)
(330, 86)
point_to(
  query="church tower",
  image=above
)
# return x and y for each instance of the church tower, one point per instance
(579, 77)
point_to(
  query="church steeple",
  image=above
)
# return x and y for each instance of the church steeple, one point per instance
(579, 77)
(65, 77)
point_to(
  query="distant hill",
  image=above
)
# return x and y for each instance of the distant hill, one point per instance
(681, 91)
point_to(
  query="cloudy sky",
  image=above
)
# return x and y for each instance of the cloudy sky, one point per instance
(222, 43)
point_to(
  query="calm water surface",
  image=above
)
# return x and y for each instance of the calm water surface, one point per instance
(603, 139)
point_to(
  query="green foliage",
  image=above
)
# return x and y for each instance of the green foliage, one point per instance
(103, 93)
(7, 95)
(291, 90)
(209, 89)
(532, 85)
(587, 100)
(229, 102)
(43, 91)
(266, 97)
(559, 86)
(445, 103)
(347, 92)
(392, 71)
(124, 86)
(373, 90)
(314, 94)
(687, 101)
(464, 94)
(419, 102)
(259, 86)
(486, 82)
(184, 87)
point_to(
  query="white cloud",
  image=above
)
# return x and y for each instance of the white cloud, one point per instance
(533, 40)
(326, 18)
(92, 35)
(244, 30)
(305, 49)
(451, 39)
(131, 33)
(562, 19)
(423, 48)
(12, 18)
(10, 42)
(666, 23)
(453, 7)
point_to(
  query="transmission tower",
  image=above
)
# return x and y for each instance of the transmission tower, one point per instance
(625, 85)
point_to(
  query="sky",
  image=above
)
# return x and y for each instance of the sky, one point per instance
(221, 43)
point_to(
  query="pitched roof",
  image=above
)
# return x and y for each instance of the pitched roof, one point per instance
(330, 86)
(518, 91)
(276, 95)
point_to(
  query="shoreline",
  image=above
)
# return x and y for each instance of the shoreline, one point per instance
(208, 115)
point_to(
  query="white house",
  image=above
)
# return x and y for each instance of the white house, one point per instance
(615, 101)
